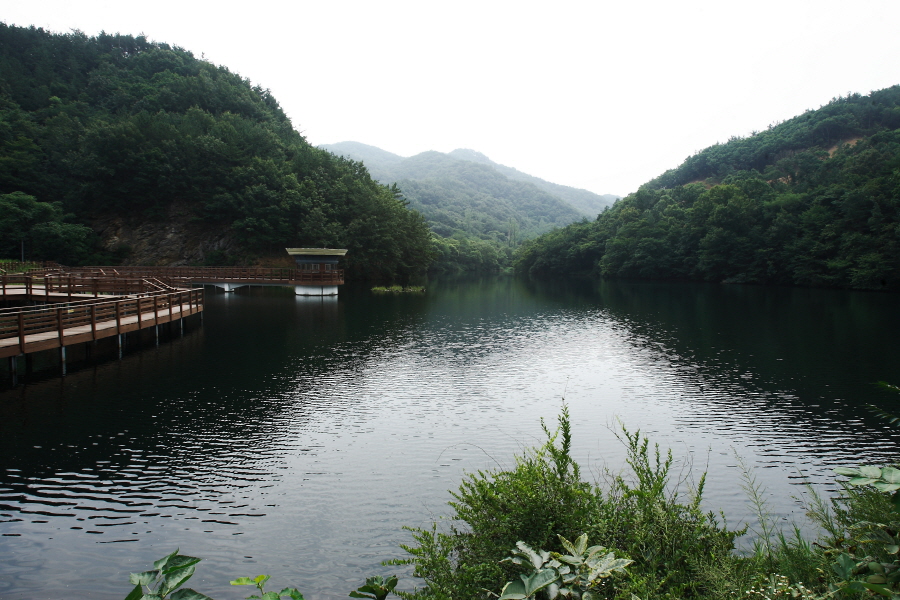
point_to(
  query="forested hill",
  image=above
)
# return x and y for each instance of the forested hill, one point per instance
(480, 210)
(773, 152)
(814, 200)
(585, 202)
(139, 140)
(389, 168)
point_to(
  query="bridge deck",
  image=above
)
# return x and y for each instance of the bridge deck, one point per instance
(75, 334)
(71, 317)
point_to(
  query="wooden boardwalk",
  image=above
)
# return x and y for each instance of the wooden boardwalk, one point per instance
(78, 310)
(85, 304)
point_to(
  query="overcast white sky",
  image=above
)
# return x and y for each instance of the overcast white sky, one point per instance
(594, 94)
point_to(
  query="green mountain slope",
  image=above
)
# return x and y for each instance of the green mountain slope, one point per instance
(771, 151)
(587, 203)
(480, 210)
(812, 201)
(388, 167)
(116, 129)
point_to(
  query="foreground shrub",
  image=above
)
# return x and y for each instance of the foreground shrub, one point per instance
(677, 550)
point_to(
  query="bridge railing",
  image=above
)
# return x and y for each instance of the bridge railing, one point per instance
(58, 318)
(284, 275)
(53, 285)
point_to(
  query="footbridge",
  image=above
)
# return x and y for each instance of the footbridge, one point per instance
(304, 282)
(59, 310)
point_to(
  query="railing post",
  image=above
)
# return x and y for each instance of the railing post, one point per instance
(59, 326)
(22, 333)
(94, 322)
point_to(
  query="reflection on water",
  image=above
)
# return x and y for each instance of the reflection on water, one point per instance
(296, 436)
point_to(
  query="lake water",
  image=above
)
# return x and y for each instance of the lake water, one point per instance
(296, 437)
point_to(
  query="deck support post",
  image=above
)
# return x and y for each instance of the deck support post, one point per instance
(156, 329)
(181, 326)
(62, 359)
(119, 343)
(13, 371)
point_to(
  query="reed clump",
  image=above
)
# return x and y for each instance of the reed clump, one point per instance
(399, 289)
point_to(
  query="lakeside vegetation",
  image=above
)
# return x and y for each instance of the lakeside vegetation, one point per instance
(812, 201)
(398, 289)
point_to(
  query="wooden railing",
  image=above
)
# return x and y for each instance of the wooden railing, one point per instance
(152, 287)
(51, 286)
(101, 318)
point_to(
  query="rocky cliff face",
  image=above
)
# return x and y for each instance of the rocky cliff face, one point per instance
(179, 239)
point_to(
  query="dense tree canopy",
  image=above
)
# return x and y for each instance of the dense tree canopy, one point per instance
(40, 227)
(824, 214)
(120, 125)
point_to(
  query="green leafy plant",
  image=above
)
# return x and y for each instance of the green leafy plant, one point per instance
(376, 588)
(260, 581)
(544, 574)
(573, 575)
(869, 556)
(169, 573)
(883, 479)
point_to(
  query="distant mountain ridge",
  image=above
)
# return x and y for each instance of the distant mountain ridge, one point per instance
(387, 167)
(478, 211)
(584, 201)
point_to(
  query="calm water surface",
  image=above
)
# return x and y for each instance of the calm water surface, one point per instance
(296, 437)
